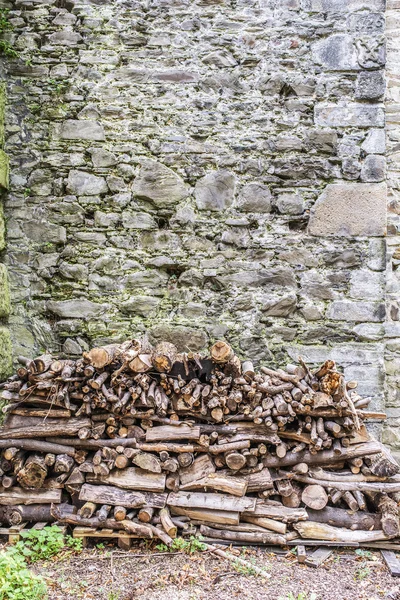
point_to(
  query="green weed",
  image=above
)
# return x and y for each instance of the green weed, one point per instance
(17, 582)
(193, 544)
(44, 543)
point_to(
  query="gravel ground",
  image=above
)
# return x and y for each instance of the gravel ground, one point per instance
(110, 574)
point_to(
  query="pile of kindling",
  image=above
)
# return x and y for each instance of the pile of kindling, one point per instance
(159, 444)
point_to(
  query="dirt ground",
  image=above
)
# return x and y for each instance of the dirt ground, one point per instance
(107, 573)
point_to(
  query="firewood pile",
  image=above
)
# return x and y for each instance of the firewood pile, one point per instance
(159, 444)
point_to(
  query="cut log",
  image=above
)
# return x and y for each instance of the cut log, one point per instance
(164, 356)
(145, 514)
(222, 483)
(338, 517)
(278, 512)
(211, 501)
(271, 524)
(221, 352)
(315, 497)
(321, 531)
(132, 478)
(102, 494)
(15, 495)
(236, 536)
(103, 356)
(202, 467)
(34, 472)
(49, 428)
(235, 461)
(166, 521)
(88, 510)
(119, 513)
(147, 462)
(168, 432)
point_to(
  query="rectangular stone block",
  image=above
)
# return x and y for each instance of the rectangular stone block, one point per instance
(352, 114)
(359, 312)
(350, 210)
(347, 5)
(344, 355)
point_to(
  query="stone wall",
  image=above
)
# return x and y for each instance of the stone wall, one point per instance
(197, 170)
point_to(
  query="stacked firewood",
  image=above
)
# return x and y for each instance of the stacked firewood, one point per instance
(159, 444)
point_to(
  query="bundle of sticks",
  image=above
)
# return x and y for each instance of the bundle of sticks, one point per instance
(159, 444)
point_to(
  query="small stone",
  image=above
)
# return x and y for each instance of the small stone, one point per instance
(311, 312)
(290, 204)
(344, 310)
(65, 37)
(140, 305)
(103, 158)
(79, 308)
(366, 284)
(351, 114)
(99, 57)
(138, 220)
(280, 306)
(82, 130)
(370, 85)
(72, 347)
(159, 185)
(82, 183)
(347, 210)
(215, 191)
(255, 198)
(373, 168)
(375, 142)
(103, 219)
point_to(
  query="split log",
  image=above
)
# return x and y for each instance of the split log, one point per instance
(223, 517)
(389, 512)
(278, 512)
(51, 427)
(202, 467)
(271, 524)
(101, 494)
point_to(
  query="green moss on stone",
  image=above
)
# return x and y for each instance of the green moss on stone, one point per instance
(4, 292)
(2, 110)
(4, 170)
(5, 353)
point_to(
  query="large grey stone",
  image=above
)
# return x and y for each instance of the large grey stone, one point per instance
(290, 204)
(82, 183)
(215, 191)
(370, 85)
(65, 37)
(347, 115)
(336, 53)
(138, 220)
(103, 158)
(140, 305)
(159, 185)
(280, 306)
(45, 232)
(78, 308)
(82, 130)
(373, 168)
(360, 312)
(255, 197)
(367, 285)
(375, 142)
(344, 5)
(186, 339)
(346, 210)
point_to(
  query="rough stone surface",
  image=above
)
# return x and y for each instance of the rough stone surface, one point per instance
(186, 169)
(159, 184)
(347, 210)
(215, 191)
